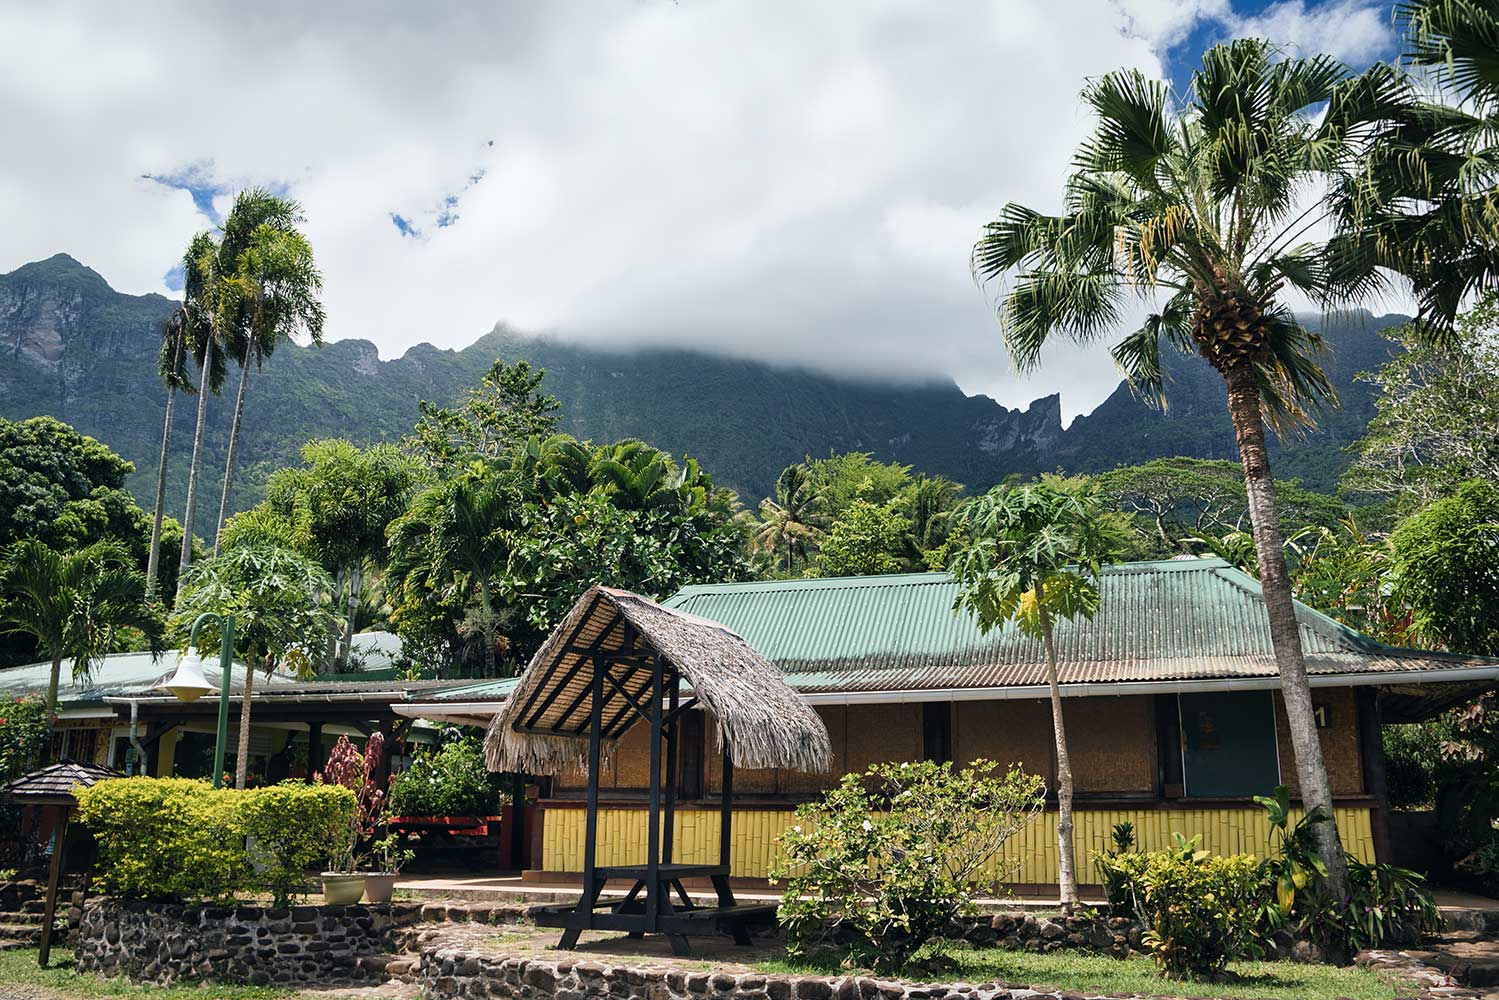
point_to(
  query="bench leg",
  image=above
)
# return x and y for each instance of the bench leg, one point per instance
(679, 945)
(590, 896)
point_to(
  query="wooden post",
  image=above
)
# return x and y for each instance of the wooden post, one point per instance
(1371, 750)
(726, 809)
(517, 821)
(314, 749)
(591, 819)
(669, 820)
(54, 875)
(653, 818)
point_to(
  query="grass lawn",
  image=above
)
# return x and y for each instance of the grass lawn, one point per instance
(18, 968)
(1101, 974)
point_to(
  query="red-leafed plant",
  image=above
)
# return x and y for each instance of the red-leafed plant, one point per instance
(357, 772)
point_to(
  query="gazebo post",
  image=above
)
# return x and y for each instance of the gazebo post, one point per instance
(726, 808)
(54, 875)
(653, 818)
(591, 806)
(670, 818)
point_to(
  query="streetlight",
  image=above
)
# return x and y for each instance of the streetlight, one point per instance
(189, 683)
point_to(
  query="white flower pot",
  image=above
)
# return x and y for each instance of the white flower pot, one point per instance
(342, 888)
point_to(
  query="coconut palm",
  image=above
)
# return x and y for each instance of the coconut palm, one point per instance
(1203, 207)
(1033, 555)
(74, 605)
(271, 294)
(794, 520)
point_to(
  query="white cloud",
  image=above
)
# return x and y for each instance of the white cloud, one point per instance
(791, 181)
(1355, 31)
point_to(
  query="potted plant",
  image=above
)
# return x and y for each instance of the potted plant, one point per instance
(391, 856)
(343, 883)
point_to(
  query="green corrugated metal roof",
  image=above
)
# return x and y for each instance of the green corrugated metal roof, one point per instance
(1172, 620)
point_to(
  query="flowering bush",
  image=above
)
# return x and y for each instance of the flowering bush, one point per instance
(23, 734)
(882, 863)
(451, 782)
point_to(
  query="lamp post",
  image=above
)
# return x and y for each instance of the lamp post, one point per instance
(189, 684)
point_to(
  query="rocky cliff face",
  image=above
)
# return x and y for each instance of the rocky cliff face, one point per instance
(72, 347)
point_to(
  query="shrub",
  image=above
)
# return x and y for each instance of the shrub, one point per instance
(166, 838)
(882, 863)
(290, 827)
(23, 734)
(182, 839)
(451, 782)
(1200, 910)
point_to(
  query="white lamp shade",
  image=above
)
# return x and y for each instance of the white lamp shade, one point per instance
(188, 683)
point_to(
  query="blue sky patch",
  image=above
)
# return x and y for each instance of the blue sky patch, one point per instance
(404, 225)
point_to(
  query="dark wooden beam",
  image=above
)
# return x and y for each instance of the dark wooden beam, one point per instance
(726, 809)
(669, 821)
(653, 818)
(573, 707)
(572, 636)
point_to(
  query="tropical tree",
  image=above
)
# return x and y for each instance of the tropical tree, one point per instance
(456, 539)
(1203, 207)
(868, 539)
(75, 606)
(1446, 568)
(496, 418)
(270, 294)
(181, 334)
(280, 603)
(793, 520)
(1033, 556)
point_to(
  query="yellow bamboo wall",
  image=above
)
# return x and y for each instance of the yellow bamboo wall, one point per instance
(1032, 854)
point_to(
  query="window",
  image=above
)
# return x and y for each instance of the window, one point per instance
(936, 731)
(1229, 748)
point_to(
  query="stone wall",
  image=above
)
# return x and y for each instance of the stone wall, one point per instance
(165, 944)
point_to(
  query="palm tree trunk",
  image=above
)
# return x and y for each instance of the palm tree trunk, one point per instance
(239, 411)
(1285, 634)
(1066, 870)
(52, 683)
(153, 558)
(489, 667)
(190, 509)
(356, 577)
(242, 751)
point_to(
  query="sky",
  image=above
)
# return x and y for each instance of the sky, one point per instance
(794, 182)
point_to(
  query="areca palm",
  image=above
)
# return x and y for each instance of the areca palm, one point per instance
(1203, 208)
(74, 605)
(794, 519)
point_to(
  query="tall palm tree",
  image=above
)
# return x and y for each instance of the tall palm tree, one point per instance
(74, 605)
(1204, 207)
(1428, 202)
(271, 294)
(199, 294)
(1034, 554)
(795, 519)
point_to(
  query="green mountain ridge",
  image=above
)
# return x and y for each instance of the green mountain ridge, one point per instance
(72, 347)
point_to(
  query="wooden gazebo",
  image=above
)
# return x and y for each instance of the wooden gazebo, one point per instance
(619, 659)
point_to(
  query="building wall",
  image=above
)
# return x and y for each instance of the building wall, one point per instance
(1029, 858)
(1340, 743)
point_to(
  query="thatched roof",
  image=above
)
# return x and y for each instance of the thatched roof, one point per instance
(545, 724)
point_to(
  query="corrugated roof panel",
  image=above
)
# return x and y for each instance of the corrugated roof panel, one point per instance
(1174, 620)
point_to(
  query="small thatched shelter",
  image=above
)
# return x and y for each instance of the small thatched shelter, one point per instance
(617, 660)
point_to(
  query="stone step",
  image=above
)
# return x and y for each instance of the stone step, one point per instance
(31, 933)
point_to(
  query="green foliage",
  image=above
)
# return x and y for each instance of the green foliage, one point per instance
(1035, 551)
(880, 864)
(1414, 762)
(62, 488)
(23, 735)
(1446, 569)
(166, 838)
(1436, 406)
(278, 599)
(1200, 910)
(794, 520)
(453, 781)
(505, 410)
(840, 479)
(182, 839)
(290, 827)
(866, 539)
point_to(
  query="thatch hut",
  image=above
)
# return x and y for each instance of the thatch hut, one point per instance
(619, 659)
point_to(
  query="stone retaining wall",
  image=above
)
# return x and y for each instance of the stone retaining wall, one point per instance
(165, 944)
(453, 972)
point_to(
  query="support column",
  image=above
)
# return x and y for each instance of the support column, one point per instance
(669, 819)
(653, 818)
(314, 749)
(1371, 750)
(726, 808)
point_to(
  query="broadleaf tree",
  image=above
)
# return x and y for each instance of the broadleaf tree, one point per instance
(1033, 555)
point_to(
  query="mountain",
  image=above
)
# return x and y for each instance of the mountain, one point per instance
(72, 347)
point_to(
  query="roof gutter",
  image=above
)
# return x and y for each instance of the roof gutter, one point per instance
(1120, 688)
(465, 713)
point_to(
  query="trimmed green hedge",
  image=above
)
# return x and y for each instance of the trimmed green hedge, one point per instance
(182, 839)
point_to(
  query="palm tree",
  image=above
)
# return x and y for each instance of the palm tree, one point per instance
(1033, 555)
(794, 520)
(271, 294)
(74, 605)
(1202, 206)
(457, 537)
